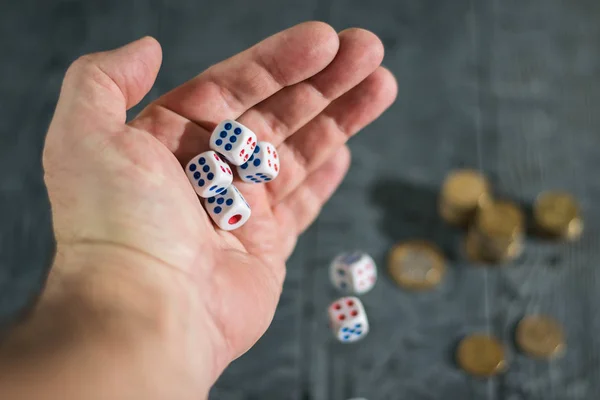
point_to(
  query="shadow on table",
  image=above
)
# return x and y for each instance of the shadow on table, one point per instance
(26, 240)
(409, 212)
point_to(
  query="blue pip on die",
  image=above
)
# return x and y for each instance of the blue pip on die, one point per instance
(229, 209)
(262, 166)
(233, 141)
(208, 174)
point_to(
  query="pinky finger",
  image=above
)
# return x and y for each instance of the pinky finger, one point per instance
(301, 207)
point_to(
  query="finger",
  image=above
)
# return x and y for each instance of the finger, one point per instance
(276, 118)
(300, 208)
(315, 142)
(106, 84)
(229, 88)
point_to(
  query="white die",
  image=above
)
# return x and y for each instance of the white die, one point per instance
(353, 272)
(262, 166)
(208, 174)
(229, 210)
(348, 319)
(234, 141)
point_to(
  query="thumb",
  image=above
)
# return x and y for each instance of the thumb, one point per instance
(107, 84)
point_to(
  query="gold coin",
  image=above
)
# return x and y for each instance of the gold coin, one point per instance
(452, 215)
(481, 355)
(515, 249)
(500, 221)
(465, 189)
(557, 214)
(496, 250)
(416, 265)
(473, 248)
(540, 336)
(462, 193)
(477, 250)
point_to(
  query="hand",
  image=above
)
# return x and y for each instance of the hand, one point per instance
(126, 215)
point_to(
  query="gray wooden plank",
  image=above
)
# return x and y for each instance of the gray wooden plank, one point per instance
(510, 87)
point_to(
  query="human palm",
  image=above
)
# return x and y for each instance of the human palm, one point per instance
(120, 187)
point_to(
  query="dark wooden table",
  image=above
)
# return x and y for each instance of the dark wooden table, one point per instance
(509, 87)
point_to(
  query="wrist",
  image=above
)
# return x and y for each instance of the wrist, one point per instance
(110, 317)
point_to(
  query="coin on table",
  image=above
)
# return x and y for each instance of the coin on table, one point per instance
(501, 251)
(557, 214)
(540, 336)
(514, 250)
(416, 264)
(473, 247)
(477, 252)
(497, 234)
(462, 193)
(501, 221)
(481, 355)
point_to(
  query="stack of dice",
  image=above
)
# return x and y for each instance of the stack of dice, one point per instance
(212, 178)
(351, 273)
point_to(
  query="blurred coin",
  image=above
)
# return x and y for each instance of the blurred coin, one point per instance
(451, 215)
(462, 193)
(481, 355)
(540, 336)
(501, 221)
(557, 214)
(473, 248)
(480, 249)
(514, 250)
(416, 265)
(499, 231)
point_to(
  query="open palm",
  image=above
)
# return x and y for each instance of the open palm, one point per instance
(120, 186)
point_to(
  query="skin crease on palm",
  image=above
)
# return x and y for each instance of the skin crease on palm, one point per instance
(130, 229)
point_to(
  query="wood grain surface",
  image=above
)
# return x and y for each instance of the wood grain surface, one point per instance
(508, 87)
